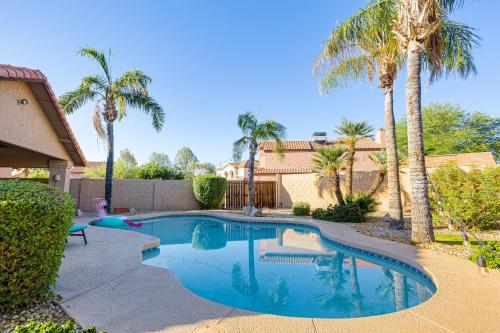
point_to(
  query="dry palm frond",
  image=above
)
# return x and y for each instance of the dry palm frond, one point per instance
(97, 121)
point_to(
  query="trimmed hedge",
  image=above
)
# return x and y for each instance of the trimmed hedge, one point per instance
(349, 212)
(209, 236)
(51, 327)
(301, 209)
(34, 222)
(209, 190)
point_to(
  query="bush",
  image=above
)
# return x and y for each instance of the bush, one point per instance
(34, 225)
(301, 209)
(492, 260)
(365, 202)
(209, 190)
(51, 327)
(346, 213)
(471, 197)
(209, 236)
(154, 171)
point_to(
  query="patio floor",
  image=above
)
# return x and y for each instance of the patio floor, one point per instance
(105, 284)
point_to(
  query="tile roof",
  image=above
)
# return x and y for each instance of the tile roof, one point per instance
(8, 72)
(365, 143)
(264, 171)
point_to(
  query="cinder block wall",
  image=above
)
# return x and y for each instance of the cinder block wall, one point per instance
(141, 194)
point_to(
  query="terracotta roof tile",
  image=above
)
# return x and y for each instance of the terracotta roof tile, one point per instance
(34, 75)
(264, 171)
(365, 143)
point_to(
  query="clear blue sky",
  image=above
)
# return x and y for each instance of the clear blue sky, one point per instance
(211, 60)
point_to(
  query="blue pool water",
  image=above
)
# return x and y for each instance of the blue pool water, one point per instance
(281, 269)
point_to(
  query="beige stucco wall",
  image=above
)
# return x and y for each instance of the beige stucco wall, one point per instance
(306, 187)
(140, 194)
(304, 159)
(27, 126)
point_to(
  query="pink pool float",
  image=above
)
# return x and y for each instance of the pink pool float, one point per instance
(111, 220)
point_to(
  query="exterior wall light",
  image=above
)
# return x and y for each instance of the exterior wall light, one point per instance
(22, 101)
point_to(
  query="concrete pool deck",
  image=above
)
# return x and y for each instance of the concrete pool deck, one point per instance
(105, 284)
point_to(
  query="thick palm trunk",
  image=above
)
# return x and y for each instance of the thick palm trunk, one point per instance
(356, 292)
(395, 208)
(376, 183)
(400, 291)
(349, 166)
(337, 191)
(108, 183)
(253, 148)
(421, 218)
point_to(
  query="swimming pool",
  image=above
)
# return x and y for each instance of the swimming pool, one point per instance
(281, 269)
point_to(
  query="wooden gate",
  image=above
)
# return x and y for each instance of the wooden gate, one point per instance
(237, 194)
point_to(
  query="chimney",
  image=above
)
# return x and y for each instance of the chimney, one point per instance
(380, 136)
(319, 137)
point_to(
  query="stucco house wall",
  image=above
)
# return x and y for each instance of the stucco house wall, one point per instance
(27, 126)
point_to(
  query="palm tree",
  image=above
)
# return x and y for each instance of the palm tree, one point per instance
(253, 133)
(357, 48)
(353, 131)
(427, 37)
(328, 161)
(380, 159)
(112, 99)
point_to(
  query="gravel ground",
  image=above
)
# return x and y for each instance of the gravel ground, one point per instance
(39, 313)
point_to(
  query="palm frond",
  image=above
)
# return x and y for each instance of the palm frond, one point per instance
(133, 81)
(329, 160)
(247, 122)
(239, 147)
(97, 121)
(354, 130)
(98, 56)
(147, 104)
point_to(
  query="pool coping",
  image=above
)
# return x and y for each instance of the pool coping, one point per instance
(448, 273)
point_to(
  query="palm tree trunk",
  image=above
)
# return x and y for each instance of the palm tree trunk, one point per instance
(421, 218)
(337, 191)
(351, 149)
(356, 292)
(108, 183)
(253, 151)
(395, 208)
(400, 291)
(376, 183)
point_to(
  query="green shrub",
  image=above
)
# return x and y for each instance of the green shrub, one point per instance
(51, 327)
(346, 213)
(492, 260)
(471, 197)
(209, 190)
(365, 202)
(34, 222)
(301, 209)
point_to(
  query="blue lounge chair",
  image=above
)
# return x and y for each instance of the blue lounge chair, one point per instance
(78, 230)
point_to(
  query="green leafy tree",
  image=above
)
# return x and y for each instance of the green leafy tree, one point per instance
(125, 166)
(253, 133)
(353, 131)
(185, 161)
(449, 129)
(205, 168)
(112, 97)
(362, 47)
(160, 159)
(95, 173)
(428, 39)
(155, 171)
(328, 161)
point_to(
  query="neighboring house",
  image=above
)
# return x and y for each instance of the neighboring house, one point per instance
(34, 132)
(77, 172)
(235, 171)
(297, 156)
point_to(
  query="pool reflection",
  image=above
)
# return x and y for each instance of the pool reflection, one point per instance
(281, 269)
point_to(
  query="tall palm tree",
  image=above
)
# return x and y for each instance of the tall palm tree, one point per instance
(428, 38)
(357, 48)
(329, 161)
(353, 131)
(112, 99)
(253, 133)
